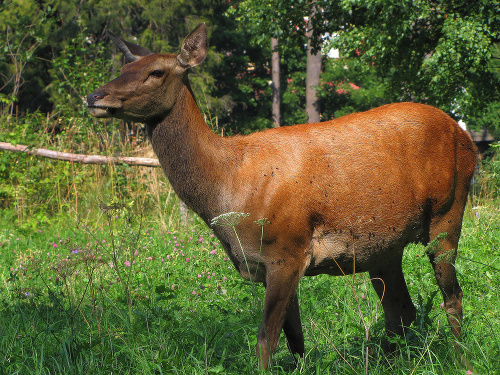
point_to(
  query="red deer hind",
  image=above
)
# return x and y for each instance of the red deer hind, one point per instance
(341, 196)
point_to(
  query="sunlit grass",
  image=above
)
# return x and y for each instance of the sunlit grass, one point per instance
(127, 296)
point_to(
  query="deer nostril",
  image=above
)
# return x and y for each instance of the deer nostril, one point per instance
(92, 98)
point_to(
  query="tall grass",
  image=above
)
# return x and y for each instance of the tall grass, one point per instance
(126, 296)
(35, 190)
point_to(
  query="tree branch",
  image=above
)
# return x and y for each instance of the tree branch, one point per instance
(79, 158)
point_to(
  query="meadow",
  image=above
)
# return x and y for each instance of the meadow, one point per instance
(114, 291)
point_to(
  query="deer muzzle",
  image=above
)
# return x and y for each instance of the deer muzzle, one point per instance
(102, 105)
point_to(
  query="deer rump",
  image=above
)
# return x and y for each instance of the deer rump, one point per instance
(341, 196)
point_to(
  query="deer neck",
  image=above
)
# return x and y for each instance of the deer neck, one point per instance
(191, 155)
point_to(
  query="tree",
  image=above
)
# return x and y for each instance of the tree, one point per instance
(275, 74)
(313, 69)
(430, 51)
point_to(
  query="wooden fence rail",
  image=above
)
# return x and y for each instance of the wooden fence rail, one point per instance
(79, 158)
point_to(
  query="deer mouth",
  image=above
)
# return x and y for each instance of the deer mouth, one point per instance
(101, 112)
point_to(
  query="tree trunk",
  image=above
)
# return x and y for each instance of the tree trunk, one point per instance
(275, 74)
(313, 71)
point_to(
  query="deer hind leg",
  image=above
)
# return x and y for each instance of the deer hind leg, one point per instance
(442, 254)
(390, 285)
(280, 311)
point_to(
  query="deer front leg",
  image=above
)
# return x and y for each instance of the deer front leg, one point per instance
(280, 292)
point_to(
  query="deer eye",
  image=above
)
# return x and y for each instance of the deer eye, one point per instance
(156, 73)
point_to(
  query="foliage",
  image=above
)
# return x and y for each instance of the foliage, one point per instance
(77, 71)
(432, 52)
(487, 181)
(23, 28)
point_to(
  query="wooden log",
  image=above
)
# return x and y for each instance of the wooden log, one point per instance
(79, 158)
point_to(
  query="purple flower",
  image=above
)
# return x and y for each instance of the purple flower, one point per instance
(127, 263)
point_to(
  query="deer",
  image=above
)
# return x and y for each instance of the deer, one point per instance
(341, 196)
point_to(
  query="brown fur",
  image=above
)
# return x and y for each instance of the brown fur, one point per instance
(341, 196)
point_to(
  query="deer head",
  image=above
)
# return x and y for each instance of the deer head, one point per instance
(149, 83)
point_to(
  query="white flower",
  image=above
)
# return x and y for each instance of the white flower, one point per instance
(229, 219)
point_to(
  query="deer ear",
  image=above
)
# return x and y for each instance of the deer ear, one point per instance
(194, 48)
(131, 51)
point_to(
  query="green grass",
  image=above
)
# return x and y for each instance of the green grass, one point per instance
(70, 304)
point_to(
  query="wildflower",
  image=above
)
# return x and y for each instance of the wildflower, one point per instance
(168, 256)
(136, 253)
(74, 251)
(103, 241)
(213, 252)
(442, 305)
(149, 258)
(127, 263)
(229, 219)
(54, 245)
(187, 260)
(194, 292)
